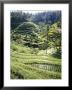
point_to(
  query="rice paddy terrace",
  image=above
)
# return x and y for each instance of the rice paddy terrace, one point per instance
(25, 64)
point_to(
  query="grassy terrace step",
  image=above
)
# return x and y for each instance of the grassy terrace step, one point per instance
(25, 58)
(34, 56)
(35, 61)
(24, 64)
(23, 71)
(49, 67)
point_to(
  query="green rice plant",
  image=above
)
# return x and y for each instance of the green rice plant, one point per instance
(21, 58)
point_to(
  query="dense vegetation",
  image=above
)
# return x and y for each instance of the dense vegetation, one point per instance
(36, 45)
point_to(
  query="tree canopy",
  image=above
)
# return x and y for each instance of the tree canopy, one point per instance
(41, 30)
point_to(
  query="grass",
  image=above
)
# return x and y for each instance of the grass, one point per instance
(20, 55)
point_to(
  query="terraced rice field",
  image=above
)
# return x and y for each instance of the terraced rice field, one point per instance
(27, 65)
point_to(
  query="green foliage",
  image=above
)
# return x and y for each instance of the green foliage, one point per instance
(22, 55)
(34, 51)
(26, 33)
(31, 42)
(22, 71)
(18, 17)
(55, 38)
